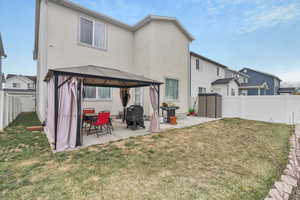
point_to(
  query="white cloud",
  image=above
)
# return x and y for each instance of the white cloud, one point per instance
(252, 14)
(290, 75)
(270, 17)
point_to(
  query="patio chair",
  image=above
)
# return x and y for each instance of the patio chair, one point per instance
(135, 117)
(110, 120)
(103, 121)
(87, 122)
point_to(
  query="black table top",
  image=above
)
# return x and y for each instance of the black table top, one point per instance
(169, 107)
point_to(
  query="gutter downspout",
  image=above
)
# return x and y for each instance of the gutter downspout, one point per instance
(189, 78)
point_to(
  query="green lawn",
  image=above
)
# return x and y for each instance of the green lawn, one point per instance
(225, 159)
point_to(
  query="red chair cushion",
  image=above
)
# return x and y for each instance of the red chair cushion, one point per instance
(103, 118)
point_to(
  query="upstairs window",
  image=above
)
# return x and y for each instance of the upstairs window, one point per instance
(16, 85)
(92, 33)
(197, 64)
(201, 90)
(218, 71)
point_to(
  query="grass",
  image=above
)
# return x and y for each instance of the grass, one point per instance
(225, 159)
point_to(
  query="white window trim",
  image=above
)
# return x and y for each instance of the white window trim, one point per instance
(168, 99)
(93, 42)
(97, 98)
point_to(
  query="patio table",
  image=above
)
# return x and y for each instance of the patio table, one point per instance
(171, 111)
(90, 117)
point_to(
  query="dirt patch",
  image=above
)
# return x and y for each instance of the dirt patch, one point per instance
(26, 163)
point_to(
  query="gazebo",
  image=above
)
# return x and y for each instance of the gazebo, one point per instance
(64, 107)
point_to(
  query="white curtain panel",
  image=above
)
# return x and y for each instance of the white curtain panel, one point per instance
(67, 114)
(49, 127)
(154, 122)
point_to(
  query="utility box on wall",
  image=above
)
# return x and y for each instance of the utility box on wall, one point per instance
(210, 105)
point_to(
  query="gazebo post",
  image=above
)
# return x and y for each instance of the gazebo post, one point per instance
(158, 96)
(56, 102)
(78, 134)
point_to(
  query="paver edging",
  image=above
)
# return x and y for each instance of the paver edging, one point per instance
(289, 182)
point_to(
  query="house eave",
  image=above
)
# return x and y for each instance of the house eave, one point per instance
(208, 59)
(267, 74)
(150, 18)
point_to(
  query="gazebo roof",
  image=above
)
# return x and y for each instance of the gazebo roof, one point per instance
(103, 76)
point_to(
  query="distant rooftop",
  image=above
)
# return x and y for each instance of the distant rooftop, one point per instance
(224, 81)
(287, 90)
(33, 78)
(208, 59)
(242, 70)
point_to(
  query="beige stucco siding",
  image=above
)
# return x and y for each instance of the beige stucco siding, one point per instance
(65, 49)
(157, 50)
(169, 59)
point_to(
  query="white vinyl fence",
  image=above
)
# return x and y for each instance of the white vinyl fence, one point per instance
(10, 108)
(278, 109)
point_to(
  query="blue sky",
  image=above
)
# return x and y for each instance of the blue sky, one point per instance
(261, 34)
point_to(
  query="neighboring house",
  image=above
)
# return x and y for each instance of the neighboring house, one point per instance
(226, 86)
(22, 86)
(68, 35)
(20, 82)
(239, 76)
(208, 76)
(260, 83)
(2, 55)
(287, 90)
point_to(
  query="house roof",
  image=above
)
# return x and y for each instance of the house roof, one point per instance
(287, 90)
(2, 52)
(105, 18)
(253, 85)
(260, 72)
(238, 72)
(33, 78)
(207, 59)
(224, 81)
(103, 76)
(174, 20)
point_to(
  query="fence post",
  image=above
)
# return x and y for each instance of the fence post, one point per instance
(1, 110)
(242, 107)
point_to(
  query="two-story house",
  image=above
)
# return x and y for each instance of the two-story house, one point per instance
(19, 82)
(2, 55)
(209, 76)
(68, 35)
(260, 83)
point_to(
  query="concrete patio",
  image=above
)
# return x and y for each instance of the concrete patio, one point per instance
(121, 132)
